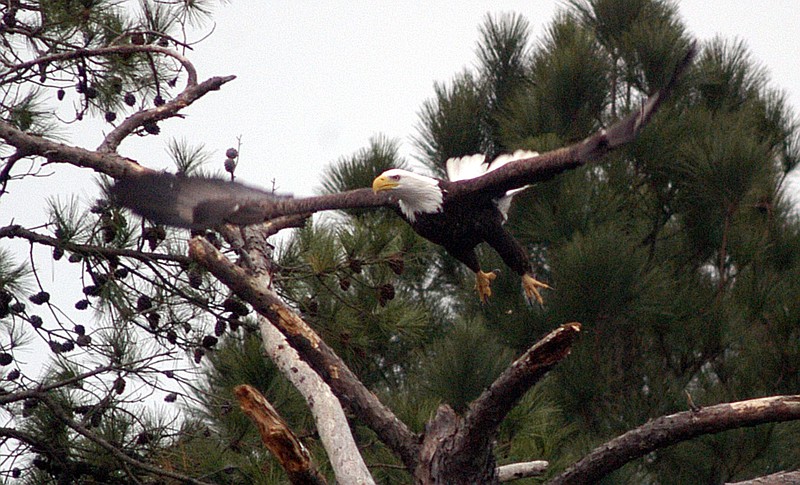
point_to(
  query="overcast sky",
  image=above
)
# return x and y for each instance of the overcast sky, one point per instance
(316, 80)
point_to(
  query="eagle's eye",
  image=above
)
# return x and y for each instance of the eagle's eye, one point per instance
(394, 177)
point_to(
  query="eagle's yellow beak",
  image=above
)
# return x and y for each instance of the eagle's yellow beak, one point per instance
(382, 182)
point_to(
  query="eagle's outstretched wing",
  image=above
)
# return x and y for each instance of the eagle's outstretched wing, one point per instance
(520, 173)
(201, 203)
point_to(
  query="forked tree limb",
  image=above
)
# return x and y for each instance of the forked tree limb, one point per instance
(490, 408)
(460, 450)
(278, 437)
(669, 430)
(353, 395)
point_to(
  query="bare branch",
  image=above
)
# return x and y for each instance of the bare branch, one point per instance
(351, 392)
(491, 407)
(111, 164)
(105, 51)
(515, 471)
(167, 110)
(668, 430)
(780, 478)
(277, 437)
(332, 425)
(460, 450)
(13, 231)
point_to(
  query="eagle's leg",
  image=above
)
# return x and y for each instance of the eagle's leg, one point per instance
(483, 282)
(531, 287)
(516, 258)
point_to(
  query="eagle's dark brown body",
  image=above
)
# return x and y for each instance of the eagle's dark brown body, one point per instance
(466, 221)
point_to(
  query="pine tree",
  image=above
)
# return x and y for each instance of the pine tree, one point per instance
(679, 254)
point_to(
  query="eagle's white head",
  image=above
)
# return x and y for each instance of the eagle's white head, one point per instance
(415, 193)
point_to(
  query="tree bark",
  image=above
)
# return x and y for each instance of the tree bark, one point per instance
(668, 430)
(780, 478)
(278, 438)
(460, 450)
(353, 395)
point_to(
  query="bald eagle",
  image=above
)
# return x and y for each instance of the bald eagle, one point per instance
(458, 213)
(459, 223)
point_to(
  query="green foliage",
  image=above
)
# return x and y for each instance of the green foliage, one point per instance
(665, 252)
(12, 274)
(358, 171)
(448, 126)
(188, 159)
(459, 366)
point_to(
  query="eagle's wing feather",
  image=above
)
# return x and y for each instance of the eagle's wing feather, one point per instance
(473, 166)
(519, 173)
(201, 203)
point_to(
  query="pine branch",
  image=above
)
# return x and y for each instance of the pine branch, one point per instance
(672, 429)
(13, 231)
(40, 390)
(120, 455)
(278, 437)
(105, 160)
(100, 52)
(168, 110)
(351, 392)
(109, 163)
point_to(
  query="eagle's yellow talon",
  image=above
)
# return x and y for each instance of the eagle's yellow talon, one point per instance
(531, 286)
(483, 282)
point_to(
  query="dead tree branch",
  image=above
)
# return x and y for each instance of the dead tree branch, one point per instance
(780, 478)
(672, 429)
(516, 471)
(456, 450)
(278, 438)
(348, 388)
(332, 426)
(167, 110)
